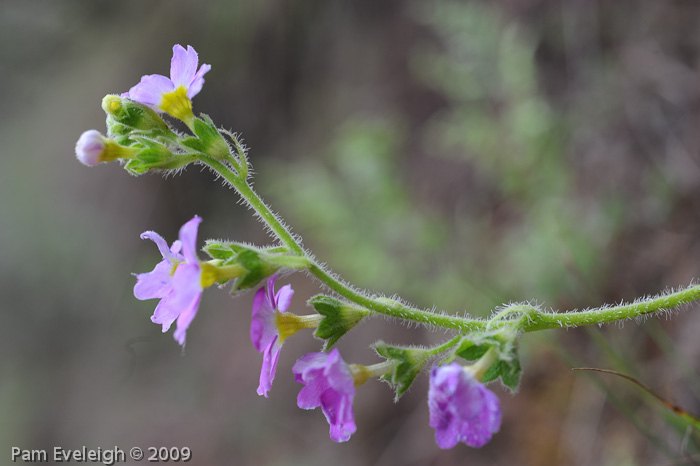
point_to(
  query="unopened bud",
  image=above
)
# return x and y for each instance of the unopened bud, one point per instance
(93, 148)
(123, 112)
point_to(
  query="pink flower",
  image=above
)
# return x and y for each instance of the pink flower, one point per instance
(176, 280)
(461, 408)
(173, 95)
(264, 329)
(330, 385)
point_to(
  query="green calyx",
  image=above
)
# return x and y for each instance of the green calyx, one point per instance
(153, 155)
(407, 364)
(257, 263)
(208, 141)
(338, 318)
(125, 115)
(496, 355)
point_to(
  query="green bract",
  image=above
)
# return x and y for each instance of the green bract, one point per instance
(259, 263)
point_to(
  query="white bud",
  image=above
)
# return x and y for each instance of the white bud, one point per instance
(90, 148)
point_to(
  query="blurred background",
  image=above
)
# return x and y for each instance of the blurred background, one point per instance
(459, 154)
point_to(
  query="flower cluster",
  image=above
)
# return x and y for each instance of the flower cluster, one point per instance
(461, 408)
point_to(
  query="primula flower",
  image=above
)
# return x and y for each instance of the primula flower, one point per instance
(266, 333)
(173, 95)
(177, 280)
(330, 385)
(461, 408)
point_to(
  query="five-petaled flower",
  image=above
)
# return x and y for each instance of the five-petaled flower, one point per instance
(330, 385)
(177, 280)
(267, 331)
(173, 95)
(461, 408)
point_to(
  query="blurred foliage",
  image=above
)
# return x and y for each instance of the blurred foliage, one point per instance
(520, 229)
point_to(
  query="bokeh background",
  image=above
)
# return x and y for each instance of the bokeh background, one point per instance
(459, 154)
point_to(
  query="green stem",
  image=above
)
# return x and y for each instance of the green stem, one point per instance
(532, 319)
(257, 204)
(541, 321)
(444, 347)
(379, 305)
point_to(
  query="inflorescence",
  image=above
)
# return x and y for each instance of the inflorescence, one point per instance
(461, 408)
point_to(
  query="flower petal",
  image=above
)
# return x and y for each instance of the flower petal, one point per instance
(338, 374)
(166, 312)
(269, 367)
(308, 363)
(183, 65)
(198, 81)
(187, 292)
(185, 319)
(154, 284)
(310, 395)
(283, 299)
(262, 326)
(270, 288)
(168, 254)
(338, 411)
(151, 89)
(188, 237)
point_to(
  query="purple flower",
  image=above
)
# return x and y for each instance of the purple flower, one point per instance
(173, 95)
(461, 408)
(265, 332)
(330, 385)
(176, 280)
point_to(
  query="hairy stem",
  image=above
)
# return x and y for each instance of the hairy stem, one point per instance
(384, 306)
(542, 321)
(531, 320)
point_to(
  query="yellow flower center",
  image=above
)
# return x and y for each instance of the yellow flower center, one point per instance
(178, 105)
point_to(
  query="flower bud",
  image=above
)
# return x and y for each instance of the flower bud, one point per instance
(124, 115)
(90, 147)
(93, 148)
(152, 155)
